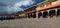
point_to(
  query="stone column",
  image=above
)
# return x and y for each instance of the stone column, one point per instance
(27, 16)
(48, 13)
(36, 14)
(56, 11)
(30, 15)
(42, 12)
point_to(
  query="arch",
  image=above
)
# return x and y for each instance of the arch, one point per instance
(34, 15)
(29, 15)
(52, 13)
(58, 12)
(39, 14)
(45, 14)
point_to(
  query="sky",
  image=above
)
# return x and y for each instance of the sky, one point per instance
(13, 6)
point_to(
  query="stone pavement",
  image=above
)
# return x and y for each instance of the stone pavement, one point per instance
(31, 23)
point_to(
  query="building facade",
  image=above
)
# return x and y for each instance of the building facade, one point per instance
(47, 8)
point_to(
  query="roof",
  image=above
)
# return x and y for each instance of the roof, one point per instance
(49, 6)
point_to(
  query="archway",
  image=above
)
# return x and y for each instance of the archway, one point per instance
(39, 14)
(52, 13)
(34, 15)
(45, 14)
(58, 12)
(29, 15)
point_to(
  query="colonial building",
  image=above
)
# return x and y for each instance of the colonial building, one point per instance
(47, 8)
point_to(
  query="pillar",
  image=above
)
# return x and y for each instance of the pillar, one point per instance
(42, 12)
(32, 15)
(27, 16)
(56, 11)
(36, 14)
(48, 13)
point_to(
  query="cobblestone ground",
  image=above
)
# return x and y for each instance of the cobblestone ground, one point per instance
(31, 23)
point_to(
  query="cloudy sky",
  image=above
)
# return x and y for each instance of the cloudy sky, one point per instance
(13, 6)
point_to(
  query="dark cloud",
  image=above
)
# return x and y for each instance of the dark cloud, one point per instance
(12, 6)
(2, 4)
